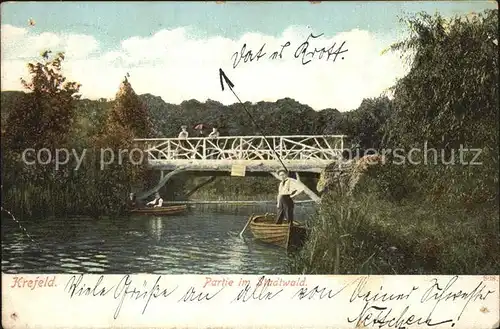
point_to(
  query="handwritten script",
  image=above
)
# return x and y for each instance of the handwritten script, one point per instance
(125, 289)
(365, 302)
(304, 52)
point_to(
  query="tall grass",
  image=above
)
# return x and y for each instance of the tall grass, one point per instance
(367, 235)
(95, 193)
(30, 200)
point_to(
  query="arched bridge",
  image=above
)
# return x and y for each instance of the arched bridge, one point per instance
(299, 153)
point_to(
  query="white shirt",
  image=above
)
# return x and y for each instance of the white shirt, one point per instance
(160, 202)
(214, 134)
(286, 187)
(183, 134)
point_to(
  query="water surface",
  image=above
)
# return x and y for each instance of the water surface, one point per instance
(205, 240)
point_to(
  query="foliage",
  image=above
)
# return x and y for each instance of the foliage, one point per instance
(41, 118)
(127, 119)
(129, 114)
(44, 118)
(450, 96)
(449, 99)
(51, 116)
(365, 124)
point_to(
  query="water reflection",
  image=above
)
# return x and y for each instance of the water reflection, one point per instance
(203, 241)
(156, 227)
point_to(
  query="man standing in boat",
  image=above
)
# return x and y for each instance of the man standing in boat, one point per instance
(157, 202)
(286, 192)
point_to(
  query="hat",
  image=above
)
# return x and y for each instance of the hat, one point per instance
(184, 126)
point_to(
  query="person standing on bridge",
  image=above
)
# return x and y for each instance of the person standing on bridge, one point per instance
(214, 135)
(184, 133)
(182, 143)
(286, 192)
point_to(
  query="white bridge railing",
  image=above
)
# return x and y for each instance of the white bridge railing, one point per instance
(299, 147)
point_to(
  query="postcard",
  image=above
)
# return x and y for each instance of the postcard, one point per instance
(229, 164)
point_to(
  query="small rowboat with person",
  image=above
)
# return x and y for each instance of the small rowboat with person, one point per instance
(161, 211)
(265, 229)
(154, 207)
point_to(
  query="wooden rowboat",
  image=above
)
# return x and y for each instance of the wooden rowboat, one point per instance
(160, 211)
(263, 228)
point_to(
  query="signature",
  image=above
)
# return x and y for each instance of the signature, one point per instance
(438, 293)
(368, 296)
(375, 313)
(382, 316)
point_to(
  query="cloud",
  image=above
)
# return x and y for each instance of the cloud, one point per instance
(178, 65)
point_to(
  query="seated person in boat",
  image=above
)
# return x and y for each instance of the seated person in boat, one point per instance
(157, 202)
(286, 192)
(131, 201)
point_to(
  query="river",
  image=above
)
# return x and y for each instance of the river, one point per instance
(203, 241)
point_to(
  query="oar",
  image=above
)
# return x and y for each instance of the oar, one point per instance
(248, 222)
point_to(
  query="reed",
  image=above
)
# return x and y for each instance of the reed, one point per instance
(367, 235)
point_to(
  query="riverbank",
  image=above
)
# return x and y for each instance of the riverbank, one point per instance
(367, 235)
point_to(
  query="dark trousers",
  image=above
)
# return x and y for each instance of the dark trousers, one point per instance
(199, 152)
(285, 210)
(131, 204)
(181, 152)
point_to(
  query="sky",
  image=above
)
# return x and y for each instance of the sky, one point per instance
(174, 50)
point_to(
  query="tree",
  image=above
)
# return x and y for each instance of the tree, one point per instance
(363, 126)
(450, 96)
(328, 122)
(45, 117)
(128, 119)
(129, 113)
(42, 118)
